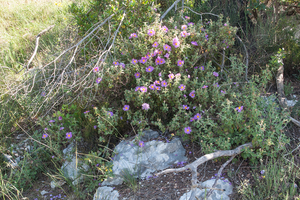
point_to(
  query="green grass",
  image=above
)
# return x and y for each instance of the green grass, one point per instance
(20, 23)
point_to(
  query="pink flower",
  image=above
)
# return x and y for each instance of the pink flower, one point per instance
(176, 42)
(151, 32)
(145, 106)
(171, 76)
(183, 34)
(194, 43)
(155, 44)
(239, 109)
(180, 63)
(134, 61)
(165, 29)
(96, 69)
(184, 27)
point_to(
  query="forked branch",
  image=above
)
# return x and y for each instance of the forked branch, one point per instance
(193, 166)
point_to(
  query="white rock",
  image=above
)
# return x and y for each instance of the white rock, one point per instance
(291, 103)
(44, 192)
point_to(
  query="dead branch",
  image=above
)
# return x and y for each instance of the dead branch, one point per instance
(175, 3)
(36, 45)
(193, 166)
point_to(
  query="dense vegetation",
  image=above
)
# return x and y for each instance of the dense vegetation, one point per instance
(188, 73)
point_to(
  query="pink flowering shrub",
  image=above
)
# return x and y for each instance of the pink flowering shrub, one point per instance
(218, 109)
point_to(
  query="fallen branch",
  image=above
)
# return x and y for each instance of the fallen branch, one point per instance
(193, 166)
(36, 45)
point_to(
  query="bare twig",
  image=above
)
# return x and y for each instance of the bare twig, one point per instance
(36, 45)
(175, 3)
(193, 166)
(219, 175)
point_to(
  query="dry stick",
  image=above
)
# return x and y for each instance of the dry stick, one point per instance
(175, 3)
(219, 174)
(193, 166)
(36, 46)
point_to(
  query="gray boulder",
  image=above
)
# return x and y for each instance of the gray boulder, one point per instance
(106, 193)
(143, 161)
(216, 194)
(69, 167)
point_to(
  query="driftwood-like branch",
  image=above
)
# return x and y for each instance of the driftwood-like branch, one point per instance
(175, 3)
(37, 45)
(193, 166)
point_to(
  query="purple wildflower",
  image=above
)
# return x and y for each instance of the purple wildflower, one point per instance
(122, 65)
(197, 116)
(187, 130)
(98, 80)
(223, 92)
(184, 27)
(167, 55)
(183, 34)
(159, 74)
(143, 89)
(205, 86)
(167, 47)
(225, 24)
(164, 83)
(110, 113)
(152, 87)
(69, 135)
(239, 109)
(190, 24)
(43, 93)
(61, 128)
(187, 17)
(137, 75)
(176, 42)
(151, 32)
(165, 29)
(192, 94)
(157, 88)
(145, 106)
(149, 69)
(185, 107)
(202, 67)
(141, 144)
(157, 82)
(155, 44)
(133, 35)
(116, 63)
(86, 112)
(95, 127)
(194, 43)
(46, 129)
(45, 135)
(137, 88)
(192, 119)
(171, 76)
(181, 87)
(60, 118)
(143, 60)
(126, 107)
(96, 69)
(180, 63)
(52, 121)
(215, 74)
(134, 61)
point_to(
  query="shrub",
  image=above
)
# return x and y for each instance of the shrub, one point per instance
(203, 101)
